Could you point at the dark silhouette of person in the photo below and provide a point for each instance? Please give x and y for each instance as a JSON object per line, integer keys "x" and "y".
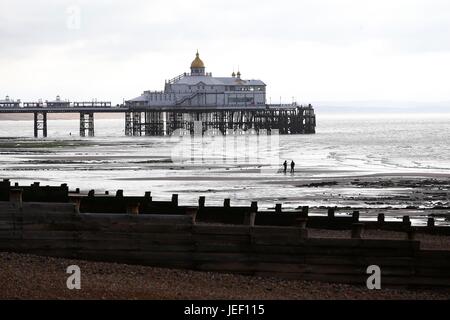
{"x": 292, "y": 166}
{"x": 285, "y": 166}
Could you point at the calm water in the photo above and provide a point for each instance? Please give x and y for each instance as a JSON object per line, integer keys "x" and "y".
{"x": 242, "y": 169}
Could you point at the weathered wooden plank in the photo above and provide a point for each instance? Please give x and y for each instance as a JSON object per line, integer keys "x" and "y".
{"x": 47, "y": 208}
{"x": 227, "y": 267}
{"x": 201, "y": 228}
{"x": 162, "y": 238}
{"x": 133, "y": 246}
{"x": 221, "y": 238}
{"x": 139, "y": 218}
{"x": 147, "y": 258}
{"x": 9, "y": 234}
{"x": 367, "y": 243}
{"x": 49, "y": 235}
{"x": 363, "y": 261}
{"x": 201, "y": 257}
{"x": 45, "y": 244}
{"x": 133, "y": 227}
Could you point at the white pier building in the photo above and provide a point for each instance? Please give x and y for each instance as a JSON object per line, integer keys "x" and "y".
{"x": 200, "y": 88}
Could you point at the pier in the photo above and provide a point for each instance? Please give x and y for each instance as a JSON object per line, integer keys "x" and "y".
{"x": 191, "y": 103}
{"x": 164, "y": 120}
{"x": 40, "y": 110}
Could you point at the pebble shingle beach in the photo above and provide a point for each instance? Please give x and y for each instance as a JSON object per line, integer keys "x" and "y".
{"x": 34, "y": 277}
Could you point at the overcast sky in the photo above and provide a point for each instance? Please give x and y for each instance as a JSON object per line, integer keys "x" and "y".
{"x": 312, "y": 50}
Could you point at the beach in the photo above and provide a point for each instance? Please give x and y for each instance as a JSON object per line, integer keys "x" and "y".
{"x": 35, "y": 277}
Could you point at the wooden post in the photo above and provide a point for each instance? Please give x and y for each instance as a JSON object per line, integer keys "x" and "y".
{"x": 278, "y": 208}
{"x": 430, "y": 223}
{"x": 76, "y": 200}
{"x": 357, "y": 230}
{"x": 254, "y": 206}
{"x": 305, "y": 211}
{"x": 411, "y": 234}
{"x": 330, "y": 213}
{"x": 175, "y": 199}
{"x": 119, "y": 193}
{"x": 133, "y": 208}
{"x": 201, "y": 202}
{"x": 249, "y": 219}
{"x": 91, "y": 193}
{"x": 15, "y": 196}
{"x": 148, "y": 195}
{"x": 301, "y": 223}
{"x": 192, "y": 211}
{"x": 406, "y": 221}
{"x": 355, "y": 215}
{"x": 380, "y": 218}
{"x": 77, "y": 190}
{"x": 226, "y": 203}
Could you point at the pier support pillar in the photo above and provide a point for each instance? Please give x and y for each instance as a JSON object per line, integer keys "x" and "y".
{"x": 40, "y": 124}
{"x": 86, "y": 124}
{"x": 128, "y": 124}
{"x": 137, "y": 122}
{"x": 153, "y": 123}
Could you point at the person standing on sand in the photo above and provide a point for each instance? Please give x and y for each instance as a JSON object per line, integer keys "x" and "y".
{"x": 292, "y": 166}
{"x": 285, "y": 166}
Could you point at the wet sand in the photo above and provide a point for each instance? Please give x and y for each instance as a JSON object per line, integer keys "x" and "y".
{"x": 368, "y": 181}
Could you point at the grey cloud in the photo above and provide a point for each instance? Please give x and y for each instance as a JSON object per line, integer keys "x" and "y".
{"x": 118, "y": 29}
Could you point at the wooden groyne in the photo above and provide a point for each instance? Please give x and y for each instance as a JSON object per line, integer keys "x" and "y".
{"x": 194, "y": 238}
{"x": 118, "y": 203}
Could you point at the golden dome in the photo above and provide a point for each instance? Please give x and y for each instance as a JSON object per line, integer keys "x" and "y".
{"x": 197, "y": 63}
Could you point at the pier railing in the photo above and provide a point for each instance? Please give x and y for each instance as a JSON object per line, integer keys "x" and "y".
{"x": 179, "y": 77}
